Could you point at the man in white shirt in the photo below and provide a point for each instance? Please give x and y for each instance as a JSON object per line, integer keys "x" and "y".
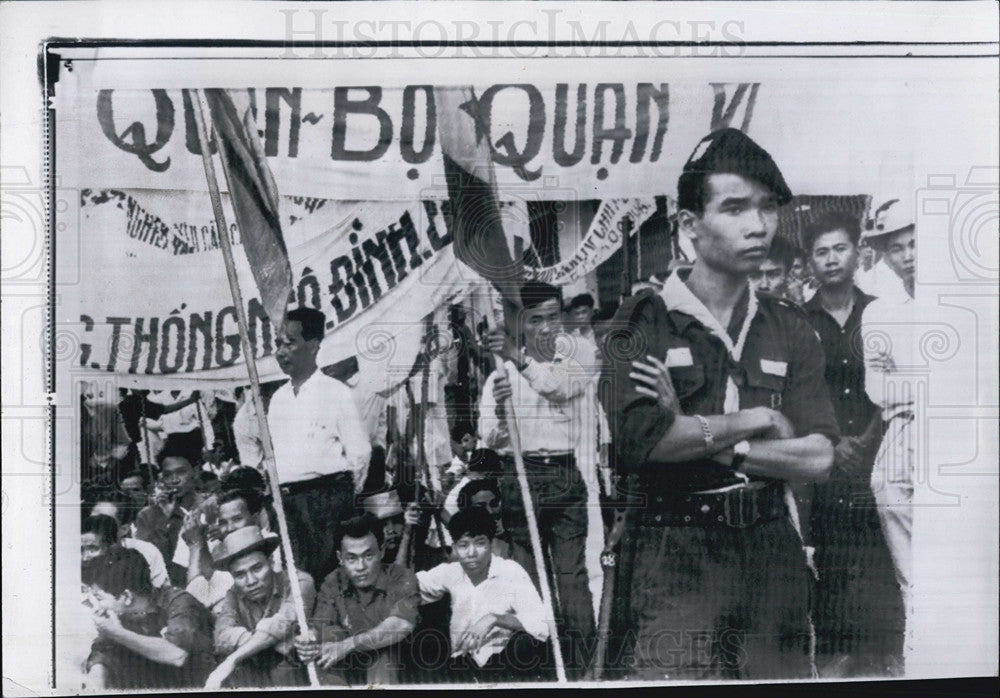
{"x": 498, "y": 621}
{"x": 549, "y": 391}
{"x": 890, "y": 341}
{"x": 321, "y": 447}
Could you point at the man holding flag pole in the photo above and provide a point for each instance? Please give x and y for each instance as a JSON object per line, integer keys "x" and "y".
{"x": 255, "y": 202}
{"x": 481, "y": 244}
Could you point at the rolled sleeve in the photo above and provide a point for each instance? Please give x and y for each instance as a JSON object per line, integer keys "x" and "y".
{"x": 433, "y": 583}
{"x": 807, "y": 402}
{"x": 188, "y": 625}
{"x": 404, "y": 595}
{"x": 528, "y": 606}
{"x": 281, "y": 626}
{"x": 229, "y": 631}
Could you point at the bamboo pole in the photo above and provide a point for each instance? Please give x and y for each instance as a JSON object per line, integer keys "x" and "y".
{"x": 258, "y": 402}
{"x": 529, "y": 507}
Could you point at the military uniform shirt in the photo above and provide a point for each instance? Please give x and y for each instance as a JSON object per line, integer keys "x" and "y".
{"x": 781, "y": 367}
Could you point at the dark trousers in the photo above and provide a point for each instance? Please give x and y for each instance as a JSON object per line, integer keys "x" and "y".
{"x": 559, "y": 496}
{"x": 719, "y": 603}
{"x": 358, "y": 669}
{"x": 523, "y": 659}
{"x": 314, "y": 517}
{"x": 858, "y": 610}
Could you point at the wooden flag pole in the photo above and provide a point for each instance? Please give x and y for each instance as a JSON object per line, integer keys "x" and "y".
{"x": 258, "y": 401}
{"x": 529, "y": 507}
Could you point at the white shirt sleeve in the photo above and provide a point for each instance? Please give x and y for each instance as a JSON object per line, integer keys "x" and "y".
{"x": 434, "y": 582}
{"x": 154, "y": 558}
{"x": 527, "y": 604}
{"x": 558, "y": 381}
{"x": 492, "y": 431}
{"x": 247, "y": 436}
{"x": 353, "y": 435}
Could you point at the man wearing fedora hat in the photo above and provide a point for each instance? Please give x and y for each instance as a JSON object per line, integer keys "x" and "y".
{"x": 890, "y": 342}
{"x": 256, "y": 621}
{"x": 719, "y": 400}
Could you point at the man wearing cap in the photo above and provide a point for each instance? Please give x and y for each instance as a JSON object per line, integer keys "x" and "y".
{"x": 386, "y": 507}
{"x": 890, "y": 337}
{"x": 256, "y": 621}
{"x": 549, "y": 390}
{"x": 858, "y": 608}
{"x": 719, "y": 400}
{"x": 321, "y": 447}
{"x": 365, "y": 608}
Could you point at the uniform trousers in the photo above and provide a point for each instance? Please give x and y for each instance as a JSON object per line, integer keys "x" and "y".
{"x": 716, "y": 602}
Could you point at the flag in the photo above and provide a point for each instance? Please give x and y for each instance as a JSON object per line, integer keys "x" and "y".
{"x": 254, "y": 196}
{"x": 476, "y": 223}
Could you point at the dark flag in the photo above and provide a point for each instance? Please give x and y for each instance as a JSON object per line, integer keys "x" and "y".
{"x": 475, "y": 214}
{"x": 254, "y": 196}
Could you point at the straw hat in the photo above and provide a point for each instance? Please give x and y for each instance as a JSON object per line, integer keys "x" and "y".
{"x": 241, "y": 542}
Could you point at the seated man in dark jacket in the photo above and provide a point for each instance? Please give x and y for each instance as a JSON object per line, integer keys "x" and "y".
{"x": 147, "y": 638}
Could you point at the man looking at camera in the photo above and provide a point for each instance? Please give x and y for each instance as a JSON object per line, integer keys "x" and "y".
{"x": 852, "y": 560}
{"x": 365, "y": 608}
{"x": 498, "y": 629}
{"x": 255, "y": 623}
{"x": 549, "y": 394}
{"x": 719, "y": 401}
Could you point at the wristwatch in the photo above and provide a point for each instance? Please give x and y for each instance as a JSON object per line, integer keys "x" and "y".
{"x": 706, "y": 433}
{"x": 740, "y": 451}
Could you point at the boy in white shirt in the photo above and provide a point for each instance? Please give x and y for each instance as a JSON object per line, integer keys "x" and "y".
{"x": 499, "y": 625}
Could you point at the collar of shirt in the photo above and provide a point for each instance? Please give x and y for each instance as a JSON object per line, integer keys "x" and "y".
{"x": 347, "y": 587}
{"x": 264, "y": 608}
{"x": 679, "y": 299}
{"x": 861, "y": 300}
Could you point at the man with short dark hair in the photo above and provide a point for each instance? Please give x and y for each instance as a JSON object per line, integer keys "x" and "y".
{"x": 549, "y": 391}
{"x": 256, "y": 621}
{"x": 485, "y": 494}
{"x": 365, "y": 609}
{"x": 852, "y": 560}
{"x": 100, "y": 533}
{"x": 175, "y": 495}
{"x": 147, "y": 638}
{"x": 720, "y": 403}
{"x": 321, "y": 447}
{"x": 235, "y": 508}
{"x": 498, "y": 622}
{"x": 772, "y": 276}
{"x": 580, "y": 315}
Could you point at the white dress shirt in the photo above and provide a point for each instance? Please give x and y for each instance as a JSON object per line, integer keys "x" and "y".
{"x": 506, "y": 589}
{"x": 154, "y": 558}
{"x": 549, "y": 403}
{"x": 315, "y": 432}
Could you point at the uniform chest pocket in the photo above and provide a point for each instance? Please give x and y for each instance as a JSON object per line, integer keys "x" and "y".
{"x": 765, "y": 383}
{"x": 688, "y": 380}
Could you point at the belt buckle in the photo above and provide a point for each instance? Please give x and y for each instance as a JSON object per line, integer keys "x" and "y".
{"x": 738, "y": 519}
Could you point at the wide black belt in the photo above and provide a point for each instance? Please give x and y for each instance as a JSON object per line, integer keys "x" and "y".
{"x": 324, "y": 481}
{"x": 549, "y": 460}
{"x": 740, "y": 507}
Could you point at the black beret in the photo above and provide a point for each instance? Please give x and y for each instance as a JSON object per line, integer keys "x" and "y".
{"x": 731, "y": 151}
